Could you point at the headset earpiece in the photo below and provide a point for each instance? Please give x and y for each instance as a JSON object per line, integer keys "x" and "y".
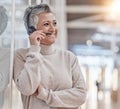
{"x": 31, "y": 29}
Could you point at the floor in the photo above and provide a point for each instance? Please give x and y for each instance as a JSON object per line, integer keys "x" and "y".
{"x": 104, "y": 101}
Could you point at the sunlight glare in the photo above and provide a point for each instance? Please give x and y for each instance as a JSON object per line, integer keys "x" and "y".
{"x": 114, "y": 10}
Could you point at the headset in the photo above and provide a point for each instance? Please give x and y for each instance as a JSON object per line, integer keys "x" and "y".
{"x": 30, "y": 29}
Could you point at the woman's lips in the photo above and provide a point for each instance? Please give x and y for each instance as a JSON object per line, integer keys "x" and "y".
{"x": 48, "y": 34}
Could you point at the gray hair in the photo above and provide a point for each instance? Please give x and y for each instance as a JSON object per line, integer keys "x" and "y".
{"x": 30, "y": 15}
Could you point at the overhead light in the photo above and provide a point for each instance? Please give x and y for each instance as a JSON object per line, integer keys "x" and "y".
{"x": 89, "y": 42}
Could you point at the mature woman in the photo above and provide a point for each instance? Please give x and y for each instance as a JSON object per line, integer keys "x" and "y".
{"x": 48, "y": 78}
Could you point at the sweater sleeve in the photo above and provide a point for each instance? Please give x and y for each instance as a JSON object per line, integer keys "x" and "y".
{"x": 27, "y": 71}
{"x": 67, "y": 98}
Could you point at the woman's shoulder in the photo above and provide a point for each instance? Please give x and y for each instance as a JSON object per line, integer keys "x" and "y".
{"x": 66, "y": 53}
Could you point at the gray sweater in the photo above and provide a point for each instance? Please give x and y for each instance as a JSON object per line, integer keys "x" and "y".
{"x": 59, "y": 73}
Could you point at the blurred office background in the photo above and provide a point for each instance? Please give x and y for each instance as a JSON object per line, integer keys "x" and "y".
{"x": 90, "y": 29}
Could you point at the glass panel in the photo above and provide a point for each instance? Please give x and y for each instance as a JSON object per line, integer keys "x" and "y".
{"x": 21, "y": 40}
{"x": 5, "y": 36}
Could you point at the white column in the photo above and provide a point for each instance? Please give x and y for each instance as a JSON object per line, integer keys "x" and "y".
{"x": 113, "y": 41}
{"x": 118, "y": 102}
{"x": 29, "y": 2}
{"x": 59, "y": 6}
{"x": 12, "y": 52}
{"x": 38, "y": 1}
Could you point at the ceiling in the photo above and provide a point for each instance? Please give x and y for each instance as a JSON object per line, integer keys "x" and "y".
{"x": 87, "y": 20}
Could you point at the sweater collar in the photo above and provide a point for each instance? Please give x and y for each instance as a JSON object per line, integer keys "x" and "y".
{"x": 47, "y": 49}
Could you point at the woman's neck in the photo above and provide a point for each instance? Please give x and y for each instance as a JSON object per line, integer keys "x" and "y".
{"x": 47, "y": 49}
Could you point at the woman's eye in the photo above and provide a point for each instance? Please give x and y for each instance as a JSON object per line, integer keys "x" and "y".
{"x": 46, "y": 24}
{"x": 55, "y": 23}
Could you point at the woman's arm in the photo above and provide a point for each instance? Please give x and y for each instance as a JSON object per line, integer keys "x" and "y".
{"x": 27, "y": 71}
{"x": 68, "y": 98}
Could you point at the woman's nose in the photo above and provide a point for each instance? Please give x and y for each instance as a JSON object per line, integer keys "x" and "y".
{"x": 52, "y": 28}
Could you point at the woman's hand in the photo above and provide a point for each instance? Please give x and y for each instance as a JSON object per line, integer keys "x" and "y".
{"x": 35, "y": 37}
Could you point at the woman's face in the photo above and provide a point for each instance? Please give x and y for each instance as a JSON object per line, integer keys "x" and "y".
{"x": 47, "y": 22}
